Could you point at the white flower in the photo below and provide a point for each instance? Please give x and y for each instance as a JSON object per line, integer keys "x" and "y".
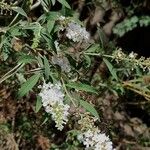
{"x": 57, "y": 46}
{"x": 77, "y": 33}
{"x": 132, "y": 55}
{"x": 52, "y": 99}
{"x": 95, "y": 140}
{"x": 62, "y": 62}
{"x": 62, "y": 18}
{"x": 51, "y": 94}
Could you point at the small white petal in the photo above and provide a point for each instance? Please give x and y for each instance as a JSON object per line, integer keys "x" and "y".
{"x": 77, "y": 33}
{"x": 52, "y": 100}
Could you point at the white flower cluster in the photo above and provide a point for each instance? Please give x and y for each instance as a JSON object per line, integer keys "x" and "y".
{"x": 52, "y": 99}
{"x": 77, "y": 33}
{"x": 94, "y": 140}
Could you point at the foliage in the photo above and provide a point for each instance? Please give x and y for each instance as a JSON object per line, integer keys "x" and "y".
{"x": 53, "y": 59}
{"x": 131, "y": 23}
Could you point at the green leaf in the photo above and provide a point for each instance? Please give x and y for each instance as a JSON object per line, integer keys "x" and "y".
{"x": 50, "y": 25}
{"x": 46, "y": 4}
{"x": 53, "y": 2}
{"x": 93, "y": 48}
{"x": 40, "y": 61}
{"x": 64, "y": 3}
{"x": 26, "y": 59}
{"x": 74, "y": 132}
{"x": 89, "y": 107}
{"x": 52, "y": 15}
{"x": 111, "y": 69}
{"x": 47, "y": 68}
{"x": 88, "y": 60}
{"x": 82, "y": 87}
{"x": 15, "y": 31}
{"x": 49, "y": 40}
{"x": 72, "y": 61}
{"x": 20, "y": 11}
{"x": 28, "y": 85}
{"x": 45, "y": 120}
{"x": 38, "y": 104}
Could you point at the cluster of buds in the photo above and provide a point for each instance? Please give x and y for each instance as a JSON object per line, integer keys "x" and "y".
{"x": 131, "y": 59}
{"x": 63, "y": 21}
{"x": 5, "y": 9}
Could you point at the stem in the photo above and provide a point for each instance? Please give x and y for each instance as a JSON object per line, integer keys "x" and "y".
{"x": 131, "y": 87}
{"x": 13, "y": 20}
{"x": 68, "y": 93}
{"x": 34, "y": 70}
{"x": 109, "y": 56}
{"x": 93, "y": 54}
{"x": 11, "y": 70}
{"x": 10, "y": 73}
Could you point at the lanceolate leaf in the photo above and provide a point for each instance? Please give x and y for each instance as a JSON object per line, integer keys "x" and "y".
{"x": 38, "y": 104}
{"x": 49, "y": 40}
{"x": 53, "y": 2}
{"x": 65, "y": 3}
{"x": 89, "y": 107}
{"x": 47, "y": 68}
{"x": 53, "y": 15}
{"x": 28, "y": 85}
{"x": 20, "y": 11}
{"x": 82, "y": 87}
{"x": 26, "y": 59}
{"x": 40, "y": 62}
{"x": 50, "y": 25}
{"x": 93, "y": 48}
{"x": 111, "y": 68}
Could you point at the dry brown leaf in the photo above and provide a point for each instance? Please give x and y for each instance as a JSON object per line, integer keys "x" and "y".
{"x": 43, "y": 142}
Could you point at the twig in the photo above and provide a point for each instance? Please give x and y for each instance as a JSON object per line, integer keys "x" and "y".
{"x": 33, "y": 70}
{"x": 11, "y": 72}
{"x": 131, "y": 87}
{"x": 67, "y": 92}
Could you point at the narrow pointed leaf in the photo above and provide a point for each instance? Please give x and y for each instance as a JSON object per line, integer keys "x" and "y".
{"x": 64, "y": 3}
{"x": 28, "y": 85}
{"x": 90, "y": 108}
{"x": 82, "y": 87}
{"x": 111, "y": 69}
{"x": 38, "y": 104}
{"x": 53, "y": 2}
{"x": 20, "y": 11}
{"x": 50, "y": 25}
{"x": 47, "y": 68}
{"x": 26, "y": 59}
